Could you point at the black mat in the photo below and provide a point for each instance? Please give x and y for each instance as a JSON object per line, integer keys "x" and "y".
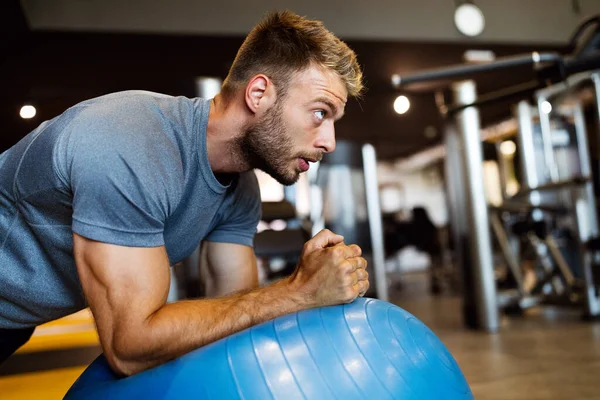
{"x": 38, "y": 361}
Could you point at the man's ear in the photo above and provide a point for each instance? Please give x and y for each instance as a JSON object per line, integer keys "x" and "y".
{"x": 260, "y": 94}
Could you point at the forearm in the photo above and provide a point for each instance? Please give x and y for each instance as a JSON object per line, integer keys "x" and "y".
{"x": 178, "y": 328}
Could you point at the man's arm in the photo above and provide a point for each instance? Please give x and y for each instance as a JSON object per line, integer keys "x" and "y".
{"x": 227, "y": 268}
{"x": 127, "y": 288}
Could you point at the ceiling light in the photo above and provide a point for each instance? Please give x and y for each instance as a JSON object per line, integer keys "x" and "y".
{"x": 546, "y": 107}
{"x": 508, "y": 148}
{"x": 27, "y": 111}
{"x": 469, "y": 19}
{"x": 401, "y": 104}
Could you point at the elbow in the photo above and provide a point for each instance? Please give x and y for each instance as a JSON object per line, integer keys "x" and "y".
{"x": 121, "y": 366}
{"x": 123, "y": 360}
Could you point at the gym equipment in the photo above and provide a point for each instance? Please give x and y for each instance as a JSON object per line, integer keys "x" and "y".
{"x": 421, "y": 233}
{"x": 284, "y": 245}
{"x": 555, "y": 283}
{"x": 569, "y": 100}
{"x": 556, "y": 198}
{"x": 468, "y": 206}
{"x": 365, "y": 349}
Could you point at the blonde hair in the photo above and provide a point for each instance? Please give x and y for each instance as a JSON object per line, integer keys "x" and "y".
{"x": 284, "y": 43}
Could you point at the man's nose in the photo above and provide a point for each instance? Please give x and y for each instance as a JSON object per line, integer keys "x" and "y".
{"x": 326, "y": 139}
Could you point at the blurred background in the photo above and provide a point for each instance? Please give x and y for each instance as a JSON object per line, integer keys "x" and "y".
{"x": 389, "y": 185}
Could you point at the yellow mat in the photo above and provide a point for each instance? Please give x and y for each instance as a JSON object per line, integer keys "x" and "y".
{"x": 76, "y": 330}
{"x": 47, "y": 385}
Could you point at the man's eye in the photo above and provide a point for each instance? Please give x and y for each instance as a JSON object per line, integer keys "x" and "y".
{"x": 320, "y": 114}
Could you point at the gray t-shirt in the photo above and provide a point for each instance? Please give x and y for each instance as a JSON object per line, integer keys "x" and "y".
{"x": 130, "y": 169}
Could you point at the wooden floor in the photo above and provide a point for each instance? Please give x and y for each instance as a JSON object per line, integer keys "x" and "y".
{"x": 548, "y": 354}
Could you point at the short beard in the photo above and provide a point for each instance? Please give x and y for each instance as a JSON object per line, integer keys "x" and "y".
{"x": 266, "y": 145}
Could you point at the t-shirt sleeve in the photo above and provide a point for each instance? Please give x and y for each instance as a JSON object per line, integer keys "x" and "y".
{"x": 125, "y": 177}
{"x": 242, "y": 215}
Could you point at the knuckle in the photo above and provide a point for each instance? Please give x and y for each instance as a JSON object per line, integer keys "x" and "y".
{"x": 358, "y": 263}
{"x": 338, "y": 251}
{"x": 345, "y": 267}
{"x": 335, "y": 252}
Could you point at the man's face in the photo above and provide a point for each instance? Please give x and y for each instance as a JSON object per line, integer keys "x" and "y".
{"x": 299, "y": 129}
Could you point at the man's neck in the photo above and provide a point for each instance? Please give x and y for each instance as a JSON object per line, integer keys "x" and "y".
{"x": 225, "y": 127}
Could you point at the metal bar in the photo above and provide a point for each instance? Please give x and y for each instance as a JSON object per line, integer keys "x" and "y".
{"x": 455, "y": 188}
{"x": 585, "y": 209}
{"x": 595, "y": 77}
{"x": 518, "y": 207}
{"x": 581, "y": 63}
{"x": 502, "y": 169}
{"x": 467, "y": 70}
{"x": 507, "y": 253}
{"x": 316, "y": 214}
{"x": 520, "y": 90}
{"x": 477, "y": 211}
{"x": 550, "y": 160}
{"x": 174, "y": 293}
{"x": 526, "y": 146}
{"x": 560, "y": 261}
{"x": 375, "y": 223}
{"x": 596, "y": 80}
{"x": 571, "y": 184}
{"x": 531, "y": 301}
{"x": 549, "y": 273}
{"x": 551, "y": 92}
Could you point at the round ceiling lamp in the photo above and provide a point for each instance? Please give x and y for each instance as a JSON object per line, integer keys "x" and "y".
{"x": 469, "y": 19}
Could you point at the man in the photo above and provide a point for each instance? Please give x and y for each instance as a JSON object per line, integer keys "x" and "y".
{"x": 96, "y": 204}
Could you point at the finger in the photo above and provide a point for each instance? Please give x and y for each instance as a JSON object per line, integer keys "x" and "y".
{"x": 357, "y": 263}
{"x": 358, "y": 275}
{"x": 364, "y": 287}
{"x": 357, "y": 250}
{"x": 360, "y": 288}
{"x": 323, "y": 239}
{"x": 362, "y": 274}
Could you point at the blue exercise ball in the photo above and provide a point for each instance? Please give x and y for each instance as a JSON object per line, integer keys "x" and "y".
{"x": 368, "y": 349}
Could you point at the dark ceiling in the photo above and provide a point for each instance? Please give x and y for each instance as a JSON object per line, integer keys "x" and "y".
{"x": 55, "y": 70}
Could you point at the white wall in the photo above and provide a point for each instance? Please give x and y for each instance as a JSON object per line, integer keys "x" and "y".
{"x": 539, "y": 21}
{"x": 270, "y": 189}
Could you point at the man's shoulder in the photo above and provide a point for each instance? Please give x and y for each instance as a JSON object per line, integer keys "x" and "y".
{"x": 138, "y": 115}
{"x": 131, "y": 96}
{"x": 126, "y": 103}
